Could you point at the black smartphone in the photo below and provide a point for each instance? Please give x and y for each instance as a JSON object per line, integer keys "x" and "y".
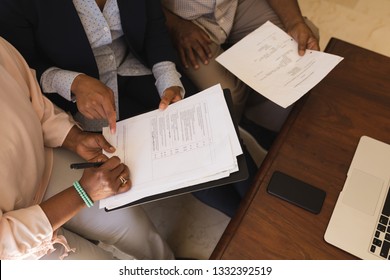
{"x": 296, "y": 192}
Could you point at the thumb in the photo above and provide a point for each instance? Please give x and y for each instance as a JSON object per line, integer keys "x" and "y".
{"x": 103, "y": 143}
{"x": 163, "y": 104}
{"x": 166, "y": 99}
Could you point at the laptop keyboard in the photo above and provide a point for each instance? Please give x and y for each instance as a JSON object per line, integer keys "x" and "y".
{"x": 381, "y": 240}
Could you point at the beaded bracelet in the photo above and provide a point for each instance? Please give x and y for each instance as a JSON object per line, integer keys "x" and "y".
{"x": 83, "y": 194}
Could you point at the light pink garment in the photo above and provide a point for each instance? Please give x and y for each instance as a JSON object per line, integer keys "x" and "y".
{"x": 30, "y": 125}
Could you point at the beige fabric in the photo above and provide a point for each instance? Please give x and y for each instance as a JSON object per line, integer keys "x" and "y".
{"x": 215, "y": 17}
{"x": 28, "y": 122}
{"x": 248, "y": 16}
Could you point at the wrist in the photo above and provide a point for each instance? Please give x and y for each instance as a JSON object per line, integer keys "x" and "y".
{"x": 83, "y": 194}
{"x": 72, "y": 139}
{"x": 172, "y": 19}
{"x": 291, "y": 24}
{"x": 76, "y": 83}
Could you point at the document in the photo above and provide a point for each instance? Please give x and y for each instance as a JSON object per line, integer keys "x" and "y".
{"x": 267, "y": 60}
{"x": 191, "y": 142}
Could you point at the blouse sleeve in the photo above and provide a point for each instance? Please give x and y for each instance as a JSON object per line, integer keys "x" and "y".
{"x": 56, "y": 124}
{"x": 25, "y": 234}
{"x": 166, "y": 76}
{"x": 25, "y": 231}
{"x": 56, "y": 80}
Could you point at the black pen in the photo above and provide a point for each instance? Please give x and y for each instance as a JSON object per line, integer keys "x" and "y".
{"x": 83, "y": 165}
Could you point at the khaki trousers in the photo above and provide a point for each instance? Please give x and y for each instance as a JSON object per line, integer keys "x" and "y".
{"x": 249, "y": 16}
{"x": 129, "y": 229}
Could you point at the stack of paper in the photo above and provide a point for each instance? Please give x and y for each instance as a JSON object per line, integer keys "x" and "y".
{"x": 191, "y": 142}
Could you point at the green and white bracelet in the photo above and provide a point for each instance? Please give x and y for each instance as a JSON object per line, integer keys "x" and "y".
{"x": 88, "y": 201}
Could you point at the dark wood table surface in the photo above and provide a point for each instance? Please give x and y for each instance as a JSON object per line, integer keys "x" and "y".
{"x": 316, "y": 145}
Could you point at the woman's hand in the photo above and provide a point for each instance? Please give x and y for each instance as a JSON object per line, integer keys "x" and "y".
{"x": 89, "y": 146}
{"x": 111, "y": 178}
{"x": 94, "y": 99}
{"x": 171, "y": 95}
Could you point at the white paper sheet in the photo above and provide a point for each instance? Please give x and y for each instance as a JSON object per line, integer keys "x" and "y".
{"x": 267, "y": 60}
{"x": 191, "y": 142}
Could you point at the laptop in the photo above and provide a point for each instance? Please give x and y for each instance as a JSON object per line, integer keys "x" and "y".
{"x": 359, "y": 223}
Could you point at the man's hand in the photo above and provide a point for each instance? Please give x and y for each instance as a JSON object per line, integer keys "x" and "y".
{"x": 190, "y": 40}
{"x": 171, "y": 95}
{"x": 303, "y": 35}
{"x": 89, "y": 146}
{"x": 291, "y": 17}
{"x": 94, "y": 99}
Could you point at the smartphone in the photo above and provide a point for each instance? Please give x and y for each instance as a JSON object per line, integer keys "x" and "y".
{"x": 296, "y": 192}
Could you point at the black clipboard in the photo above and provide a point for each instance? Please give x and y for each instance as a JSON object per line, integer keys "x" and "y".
{"x": 240, "y": 175}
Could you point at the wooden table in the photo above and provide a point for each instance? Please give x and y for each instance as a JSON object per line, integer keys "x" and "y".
{"x": 315, "y": 145}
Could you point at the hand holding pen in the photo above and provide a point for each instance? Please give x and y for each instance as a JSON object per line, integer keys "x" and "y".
{"x": 104, "y": 179}
{"x": 83, "y": 165}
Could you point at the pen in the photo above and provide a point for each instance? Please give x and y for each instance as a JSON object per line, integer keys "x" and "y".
{"x": 83, "y": 165}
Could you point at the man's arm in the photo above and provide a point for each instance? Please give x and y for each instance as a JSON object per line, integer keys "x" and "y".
{"x": 291, "y": 17}
{"x": 288, "y": 12}
{"x": 191, "y": 42}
